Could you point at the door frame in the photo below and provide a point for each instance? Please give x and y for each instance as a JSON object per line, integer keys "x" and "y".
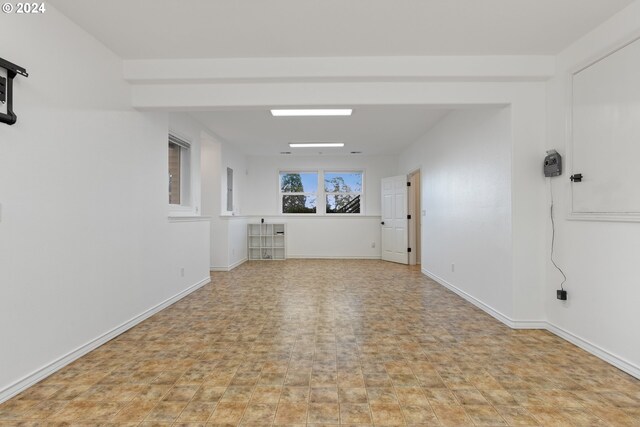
{"x": 414, "y": 208}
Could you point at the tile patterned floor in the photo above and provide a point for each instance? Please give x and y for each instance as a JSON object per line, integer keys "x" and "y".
{"x": 323, "y": 343}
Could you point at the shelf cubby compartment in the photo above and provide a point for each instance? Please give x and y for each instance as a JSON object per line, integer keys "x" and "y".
{"x": 266, "y": 241}
{"x": 278, "y": 253}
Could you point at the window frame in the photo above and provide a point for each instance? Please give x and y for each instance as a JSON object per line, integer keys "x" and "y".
{"x": 230, "y": 205}
{"x": 330, "y": 193}
{"x": 321, "y": 194}
{"x": 316, "y": 194}
{"x": 186, "y": 151}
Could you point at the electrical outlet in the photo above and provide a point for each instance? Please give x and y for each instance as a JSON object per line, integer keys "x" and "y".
{"x": 373, "y": 244}
{"x": 453, "y": 268}
{"x": 182, "y": 272}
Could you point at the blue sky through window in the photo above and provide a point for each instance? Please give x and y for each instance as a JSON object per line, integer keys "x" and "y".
{"x": 309, "y": 182}
{"x": 353, "y": 180}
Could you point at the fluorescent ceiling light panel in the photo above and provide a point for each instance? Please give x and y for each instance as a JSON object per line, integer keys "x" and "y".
{"x": 312, "y": 112}
{"x": 315, "y": 144}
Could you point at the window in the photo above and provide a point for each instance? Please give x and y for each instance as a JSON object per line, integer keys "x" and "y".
{"x": 179, "y": 153}
{"x": 229, "y": 189}
{"x": 343, "y": 191}
{"x": 340, "y": 193}
{"x": 299, "y": 192}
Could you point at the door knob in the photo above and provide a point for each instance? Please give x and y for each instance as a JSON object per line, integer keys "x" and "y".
{"x": 382, "y": 223}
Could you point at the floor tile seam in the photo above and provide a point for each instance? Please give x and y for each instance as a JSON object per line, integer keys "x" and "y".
{"x": 244, "y": 412}
{"x": 285, "y": 378}
{"x": 429, "y": 403}
{"x": 167, "y": 393}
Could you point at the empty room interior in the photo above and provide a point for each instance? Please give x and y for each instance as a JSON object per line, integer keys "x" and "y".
{"x": 320, "y": 213}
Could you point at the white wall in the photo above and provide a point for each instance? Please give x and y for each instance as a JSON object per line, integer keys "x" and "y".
{"x": 85, "y": 242}
{"x": 228, "y": 228}
{"x": 210, "y": 163}
{"x": 599, "y": 258}
{"x": 237, "y": 241}
{"x": 319, "y": 236}
{"x": 465, "y": 163}
{"x": 236, "y": 223}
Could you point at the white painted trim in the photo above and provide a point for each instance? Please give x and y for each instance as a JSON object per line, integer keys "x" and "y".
{"x": 315, "y": 216}
{"x": 586, "y": 216}
{"x": 40, "y": 374}
{"x": 448, "y": 68}
{"x": 569, "y": 140}
{"x": 188, "y": 218}
{"x": 230, "y": 267}
{"x": 232, "y": 217}
{"x": 512, "y": 323}
{"x": 587, "y": 346}
{"x": 330, "y": 257}
{"x": 528, "y": 324}
{"x": 237, "y": 263}
{"x": 597, "y": 351}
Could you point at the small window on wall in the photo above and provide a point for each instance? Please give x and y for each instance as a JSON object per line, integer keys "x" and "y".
{"x": 343, "y": 192}
{"x": 229, "y": 189}
{"x": 179, "y": 153}
{"x": 299, "y": 192}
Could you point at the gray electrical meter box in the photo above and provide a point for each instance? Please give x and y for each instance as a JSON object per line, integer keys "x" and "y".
{"x": 552, "y": 163}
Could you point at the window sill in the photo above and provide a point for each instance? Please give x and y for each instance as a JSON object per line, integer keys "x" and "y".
{"x": 318, "y": 216}
{"x": 183, "y": 210}
{"x": 188, "y": 218}
{"x": 607, "y": 217}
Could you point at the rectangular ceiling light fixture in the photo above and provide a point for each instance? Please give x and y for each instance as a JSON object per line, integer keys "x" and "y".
{"x": 312, "y": 112}
{"x": 315, "y": 144}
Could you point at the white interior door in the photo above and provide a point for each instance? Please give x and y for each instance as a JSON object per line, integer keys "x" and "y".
{"x": 395, "y": 235}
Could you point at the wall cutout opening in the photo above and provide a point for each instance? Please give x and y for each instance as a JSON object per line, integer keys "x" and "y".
{"x": 229, "y": 189}
{"x": 179, "y": 171}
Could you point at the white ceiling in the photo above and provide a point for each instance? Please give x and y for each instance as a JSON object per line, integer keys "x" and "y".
{"x": 136, "y": 29}
{"x": 166, "y": 29}
{"x": 372, "y": 130}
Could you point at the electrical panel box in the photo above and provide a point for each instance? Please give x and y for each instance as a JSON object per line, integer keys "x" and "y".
{"x": 552, "y": 164}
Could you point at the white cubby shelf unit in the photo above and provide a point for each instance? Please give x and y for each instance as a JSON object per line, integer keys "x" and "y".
{"x": 266, "y": 241}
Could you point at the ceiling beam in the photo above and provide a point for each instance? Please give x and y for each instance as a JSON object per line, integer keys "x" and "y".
{"x": 337, "y": 69}
{"x": 221, "y": 96}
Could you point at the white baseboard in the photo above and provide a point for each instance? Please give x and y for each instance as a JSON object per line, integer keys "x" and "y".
{"x": 330, "y": 257}
{"x": 230, "y": 267}
{"x": 237, "y": 263}
{"x": 597, "y": 351}
{"x": 40, "y": 374}
{"x": 512, "y": 323}
{"x": 528, "y": 324}
{"x": 589, "y": 347}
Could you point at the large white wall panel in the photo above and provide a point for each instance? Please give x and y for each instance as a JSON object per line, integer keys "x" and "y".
{"x": 599, "y": 257}
{"x": 465, "y": 163}
{"x": 85, "y": 242}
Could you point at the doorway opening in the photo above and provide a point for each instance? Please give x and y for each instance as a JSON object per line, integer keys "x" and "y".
{"x": 414, "y": 211}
